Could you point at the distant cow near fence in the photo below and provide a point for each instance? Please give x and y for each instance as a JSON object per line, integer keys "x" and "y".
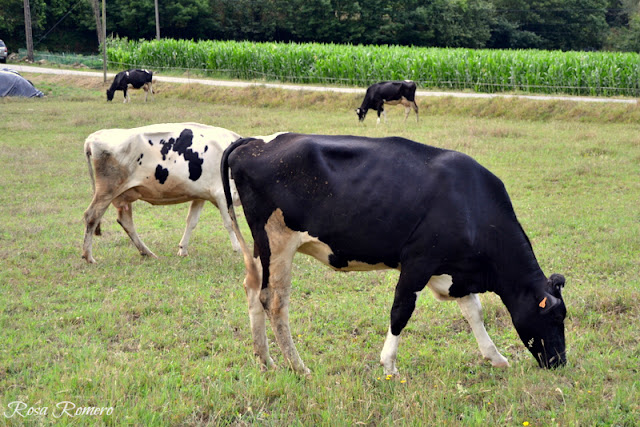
{"x": 161, "y": 164}
{"x": 135, "y": 79}
{"x": 392, "y": 93}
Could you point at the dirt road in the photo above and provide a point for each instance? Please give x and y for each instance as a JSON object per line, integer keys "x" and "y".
{"x": 212, "y": 82}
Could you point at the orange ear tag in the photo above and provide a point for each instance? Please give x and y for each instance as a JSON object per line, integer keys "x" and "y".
{"x": 543, "y": 303}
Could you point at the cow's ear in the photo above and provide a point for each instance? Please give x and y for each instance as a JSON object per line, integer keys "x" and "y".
{"x": 547, "y": 303}
{"x": 555, "y": 283}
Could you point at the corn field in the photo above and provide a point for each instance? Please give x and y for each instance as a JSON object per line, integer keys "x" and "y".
{"x": 534, "y": 71}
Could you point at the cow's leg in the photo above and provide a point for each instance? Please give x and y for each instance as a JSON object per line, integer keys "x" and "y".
{"x": 148, "y": 88}
{"x": 92, "y": 217}
{"x": 125, "y": 219}
{"x": 415, "y": 108}
{"x": 380, "y": 111}
{"x": 412, "y": 280}
{"x": 283, "y": 243}
{"x": 226, "y": 221}
{"x": 472, "y": 311}
{"x": 192, "y": 220}
{"x": 276, "y": 300}
{"x": 257, "y": 315}
{"x": 126, "y": 95}
{"x": 407, "y": 110}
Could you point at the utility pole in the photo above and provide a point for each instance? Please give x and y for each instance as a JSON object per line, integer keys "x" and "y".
{"x": 157, "y": 21}
{"x": 104, "y": 40}
{"x": 27, "y": 30}
{"x": 101, "y": 30}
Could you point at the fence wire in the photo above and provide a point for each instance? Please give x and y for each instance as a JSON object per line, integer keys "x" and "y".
{"x": 514, "y": 84}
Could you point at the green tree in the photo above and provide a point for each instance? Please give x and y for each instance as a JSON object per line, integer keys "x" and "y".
{"x": 550, "y": 24}
{"x": 12, "y": 21}
{"x": 68, "y": 26}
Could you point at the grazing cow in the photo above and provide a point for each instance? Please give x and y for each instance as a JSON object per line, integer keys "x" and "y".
{"x": 392, "y": 93}
{"x": 135, "y": 79}
{"x": 357, "y": 203}
{"x": 161, "y": 164}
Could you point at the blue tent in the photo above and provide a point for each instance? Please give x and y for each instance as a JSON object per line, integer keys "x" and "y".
{"x": 13, "y": 84}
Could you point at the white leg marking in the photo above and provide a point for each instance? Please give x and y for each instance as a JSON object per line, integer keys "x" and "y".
{"x": 283, "y": 243}
{"x": 472, "y": 311}
{"x": 192, "y": 220}
{"x": 257, "y": 315}
{"x": 389, "y": 353}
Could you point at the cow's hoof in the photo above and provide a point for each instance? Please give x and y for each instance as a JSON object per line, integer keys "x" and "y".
{"x": 390, "y": 370}
{"x": 269, "y": 366}
{"x": 149, "y": 254}
{"x": 500, "y": 363}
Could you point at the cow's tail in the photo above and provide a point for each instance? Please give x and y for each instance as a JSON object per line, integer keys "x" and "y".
{"x": 250, "y": 265}
{"x": 88, "y": 154}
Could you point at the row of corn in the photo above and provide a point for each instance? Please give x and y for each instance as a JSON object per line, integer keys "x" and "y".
{"x": 483, "y": 70}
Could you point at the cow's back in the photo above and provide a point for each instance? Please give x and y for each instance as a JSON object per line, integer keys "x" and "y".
{"x": 172, "y": 162}
{"x": 365, "y": 195}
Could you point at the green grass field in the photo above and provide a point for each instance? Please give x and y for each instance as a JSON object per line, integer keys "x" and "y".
{"x": 167, "y": 342}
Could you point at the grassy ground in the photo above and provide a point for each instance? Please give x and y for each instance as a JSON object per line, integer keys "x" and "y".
{"x": 167, "y": 342}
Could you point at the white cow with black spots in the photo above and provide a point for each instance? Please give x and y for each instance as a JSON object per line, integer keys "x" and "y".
{"x": 161, "y": 164}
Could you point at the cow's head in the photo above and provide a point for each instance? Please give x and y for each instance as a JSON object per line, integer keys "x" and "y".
{"x": 362, "y": 113}
{"x": 110, "y": 94}
{"x": 540, "y": 323}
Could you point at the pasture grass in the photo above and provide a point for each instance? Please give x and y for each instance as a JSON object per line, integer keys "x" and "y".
{"x": 167, "y": 342}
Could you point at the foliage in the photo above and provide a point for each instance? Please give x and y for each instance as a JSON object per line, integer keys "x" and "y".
{"x": 583, "y": 73}
{"x": 628, "y": 38}
{"x": 60, "y": 25}
{"x": 551, "y": 24}
{"x": 166, "y": 342}
{"x": 68, "y": 25}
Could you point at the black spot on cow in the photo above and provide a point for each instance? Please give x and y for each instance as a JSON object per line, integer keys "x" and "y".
{"x": 151, "y": 142}
{"x": 161, "y": 174}
{"x": 206, "y": 147}
{"x": 140, "y": 159}
{"x": 166, "y": 146}
{"x": 182, "y": 145}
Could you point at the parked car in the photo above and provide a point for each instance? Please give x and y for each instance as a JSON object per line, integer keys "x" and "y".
{"x": 3, "y": 52}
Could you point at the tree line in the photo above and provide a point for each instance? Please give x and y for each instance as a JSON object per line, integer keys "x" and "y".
{"x": 70, "y": 25}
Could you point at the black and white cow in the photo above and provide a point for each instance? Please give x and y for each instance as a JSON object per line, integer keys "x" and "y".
{"x": 161, "y": 164}
{"x": 392, "y": 93}
{"x": 358, "y": 203}
{"x": 135, "y": 79}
